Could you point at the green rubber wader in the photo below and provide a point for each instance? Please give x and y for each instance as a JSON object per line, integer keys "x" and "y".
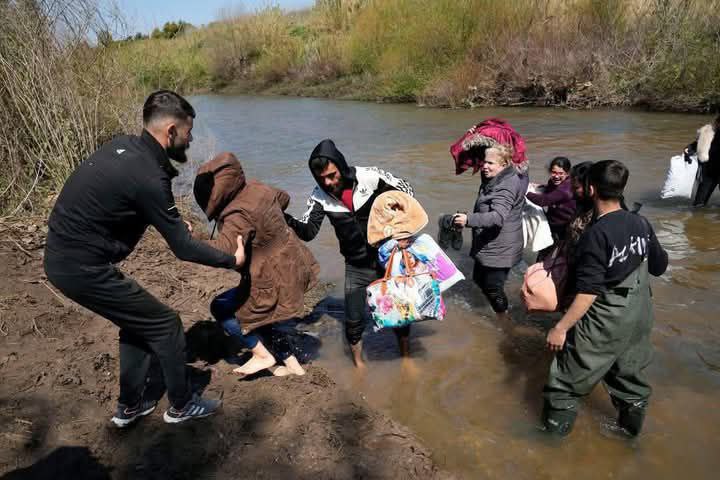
{"x": 611, "y": 342}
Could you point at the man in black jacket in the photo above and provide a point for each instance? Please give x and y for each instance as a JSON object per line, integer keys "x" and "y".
{"x": 103, "y": 210}
{"x": 345, "y": 194}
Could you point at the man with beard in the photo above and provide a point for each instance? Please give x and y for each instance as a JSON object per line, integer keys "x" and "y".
{"x": 103, "y": 210}
{"x": 345, "y": 194}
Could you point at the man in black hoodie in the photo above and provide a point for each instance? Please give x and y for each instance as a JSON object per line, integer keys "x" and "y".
{"x": 345, "y": 194}
{"x": 103, "y": 210}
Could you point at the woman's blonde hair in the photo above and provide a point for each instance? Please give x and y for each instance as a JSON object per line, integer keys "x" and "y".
{"x": 504, "y": 153}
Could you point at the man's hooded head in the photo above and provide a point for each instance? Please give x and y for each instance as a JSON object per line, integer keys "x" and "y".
{"x": 330, "y": 169}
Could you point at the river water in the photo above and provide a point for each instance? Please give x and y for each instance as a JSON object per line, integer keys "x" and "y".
{"x": 472, "y": 392}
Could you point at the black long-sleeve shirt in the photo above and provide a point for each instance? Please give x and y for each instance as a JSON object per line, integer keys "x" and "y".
{"x": 108, "y": 202}
{"x": 612, "y": 248}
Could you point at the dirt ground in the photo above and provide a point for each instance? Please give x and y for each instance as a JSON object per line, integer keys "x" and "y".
{"x": 59, "y": 383}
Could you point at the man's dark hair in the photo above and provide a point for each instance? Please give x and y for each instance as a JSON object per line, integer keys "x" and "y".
{"x": 609, "y": 178}
{"x": 318, "y": 164}
{"x": 562, "y": 162}
{"x": 165, "y": 103}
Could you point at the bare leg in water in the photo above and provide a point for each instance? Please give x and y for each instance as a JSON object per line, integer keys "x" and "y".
{"x": 356, "y": 350}
{"x": 403, "y": 338}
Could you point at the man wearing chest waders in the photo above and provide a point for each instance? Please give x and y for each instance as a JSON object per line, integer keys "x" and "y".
{"x": 605, "y": 334}
{"x": 103, "y": 210}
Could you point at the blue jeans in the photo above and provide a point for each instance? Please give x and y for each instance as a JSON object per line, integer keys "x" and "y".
{"x": 223, "y": 308}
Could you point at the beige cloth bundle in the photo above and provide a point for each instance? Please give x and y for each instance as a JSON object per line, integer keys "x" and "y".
{"x": 395, "y": 215}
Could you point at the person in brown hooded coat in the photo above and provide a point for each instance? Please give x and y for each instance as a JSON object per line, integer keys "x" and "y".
{"x": 278, "y": 270}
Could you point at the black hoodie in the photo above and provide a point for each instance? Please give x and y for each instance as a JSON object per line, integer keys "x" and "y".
{"x": 350, "y": 226}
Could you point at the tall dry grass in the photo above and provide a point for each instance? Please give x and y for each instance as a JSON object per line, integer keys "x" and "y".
{"x": 574, "y": 53}
{"x": 585, "y": 53}
{"x": 60, "y": 98}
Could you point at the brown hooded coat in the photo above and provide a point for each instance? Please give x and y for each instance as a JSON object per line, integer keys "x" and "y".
{"x": 279, "y": 269}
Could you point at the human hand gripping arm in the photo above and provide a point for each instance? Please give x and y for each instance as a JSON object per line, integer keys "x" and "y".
{"x": 240, "y": 253}
{"x": 235, "y": 230}
{"x": 156, "y": 204}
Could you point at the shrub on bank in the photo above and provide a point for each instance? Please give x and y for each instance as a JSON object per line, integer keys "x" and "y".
{"x": 60, "y": 98}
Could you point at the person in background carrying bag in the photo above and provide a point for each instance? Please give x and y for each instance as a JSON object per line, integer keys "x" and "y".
{"x": 707, "y": 148}
{"x": 395, "y": 222}
{"x": 557, "y": 197}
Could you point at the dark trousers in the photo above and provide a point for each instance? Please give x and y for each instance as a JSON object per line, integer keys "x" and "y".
{"x": 709, "y": 179}
{"x": 148, "y": 328}
{"x": 492, "y": 283}
{"x": 223, "y": 308}
{"x": 356, "y": 281}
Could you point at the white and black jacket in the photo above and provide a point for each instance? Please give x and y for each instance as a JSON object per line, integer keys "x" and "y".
{"x": 350, "y": 226}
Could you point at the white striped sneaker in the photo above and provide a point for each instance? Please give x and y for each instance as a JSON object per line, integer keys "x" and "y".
{"x": 197, "y": 407}
{"x": 125, "y": 415}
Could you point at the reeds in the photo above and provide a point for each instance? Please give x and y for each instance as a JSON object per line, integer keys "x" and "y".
{"x": 60, "y": 98}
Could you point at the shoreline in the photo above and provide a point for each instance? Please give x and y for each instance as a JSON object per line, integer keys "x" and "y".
{"x": 341, "y": 89}
{"x": 59, "y": 370}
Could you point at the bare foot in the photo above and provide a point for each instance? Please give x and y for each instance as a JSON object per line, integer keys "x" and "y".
{"x": 261, "y": 359}
{"x": 357, "y": 355}
{"x": 409, "y": 368}
{"x": 293, "y": 366}
{"x": 281, "y": 371}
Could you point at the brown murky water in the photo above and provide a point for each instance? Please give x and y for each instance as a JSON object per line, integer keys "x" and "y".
{"x": 472, "y": 392}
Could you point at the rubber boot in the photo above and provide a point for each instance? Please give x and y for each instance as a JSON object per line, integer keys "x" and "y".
{"x": 558, "y": 422}
{"x": 631, "y": 416}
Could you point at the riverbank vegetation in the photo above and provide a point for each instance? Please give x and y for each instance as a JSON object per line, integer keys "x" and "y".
{"x": 660, "y": 54}
{"x": 66, "y": 85}
{"x": 60, "y": 97}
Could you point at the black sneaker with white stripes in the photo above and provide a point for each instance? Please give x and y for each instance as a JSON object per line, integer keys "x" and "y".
{"x": 124, "y": 415}
{"x": 197, "y": 407}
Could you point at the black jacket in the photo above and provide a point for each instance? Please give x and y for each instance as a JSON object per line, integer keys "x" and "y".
{"x": 350, "y": 226}
{"x": 108, "y": 202}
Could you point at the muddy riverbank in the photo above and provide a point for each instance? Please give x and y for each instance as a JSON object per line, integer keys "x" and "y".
{"x": 59, "y": 383}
